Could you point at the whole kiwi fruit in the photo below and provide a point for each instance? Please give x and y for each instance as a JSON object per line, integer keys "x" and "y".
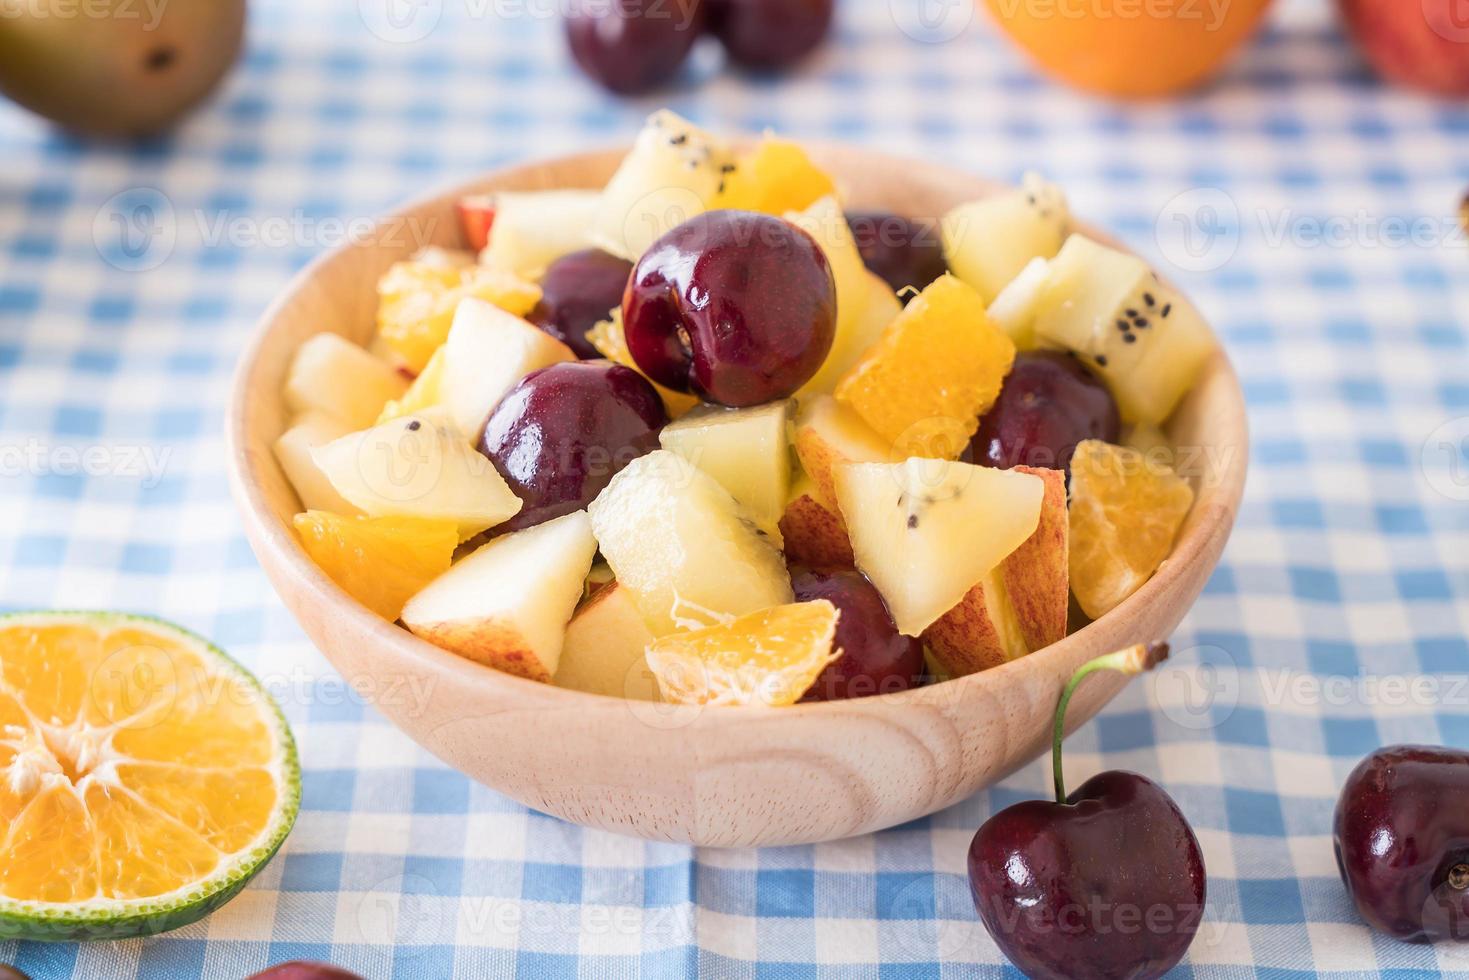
{"x": 116, "y": 68}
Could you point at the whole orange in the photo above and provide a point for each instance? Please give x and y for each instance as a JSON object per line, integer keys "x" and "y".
{"x": 1129, "y": 48}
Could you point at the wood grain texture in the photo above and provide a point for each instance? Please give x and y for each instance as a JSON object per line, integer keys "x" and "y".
{"x": 711, "y": 776}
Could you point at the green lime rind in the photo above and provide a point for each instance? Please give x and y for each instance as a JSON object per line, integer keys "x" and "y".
{"x": 127, "y": 918}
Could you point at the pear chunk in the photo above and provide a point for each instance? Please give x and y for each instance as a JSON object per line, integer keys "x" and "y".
{"x": 746, "y": 449}
{"x": 418, "y": 466}
{"x": 688, "y": 552}
{"x": 605, "y": 643}
{"x": 331, "y": 374}
{"x": 925, "y": 531}
{"x": 487, "y": 352}
{"x": 293, "y": 451}
{"x": 507, "y": 604}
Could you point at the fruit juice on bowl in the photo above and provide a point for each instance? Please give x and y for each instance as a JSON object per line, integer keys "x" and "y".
{"x": 705, "y": 436}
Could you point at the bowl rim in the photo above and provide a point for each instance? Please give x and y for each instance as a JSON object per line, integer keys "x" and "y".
{"x": 265, "y": 531}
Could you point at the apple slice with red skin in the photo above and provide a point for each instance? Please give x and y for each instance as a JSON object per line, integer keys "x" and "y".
{"x": 1022, "y": 605}
{"x": 1402, "y": 841}
{"x": 1107, "y": 882}
{"x": 476, "y": 218}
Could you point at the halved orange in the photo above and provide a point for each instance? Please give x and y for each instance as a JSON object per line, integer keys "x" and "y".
{"x": 145, "y": 777}
{"x": 771, "y": 657}
{"x": 382, "y": 562}
{"x": 1126, "y": 509}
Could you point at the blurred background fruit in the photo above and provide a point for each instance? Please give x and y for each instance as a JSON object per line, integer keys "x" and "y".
{"x": 1125, "y": 48}
{"x": 631, "y": 45}
{"x": 769, "y": 34}
{"x": 1422, "y": 43}
{"x": 116, "y": 68}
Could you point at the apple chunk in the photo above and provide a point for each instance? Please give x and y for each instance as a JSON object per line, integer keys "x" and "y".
{"x": 605, "y": 642}
{"x": 812, "y": 534}
{"x": 689, "y": 553}
{"x": 293, "y": 451}
{"x": 746, "y": 449}
{"x": 1019, "y": 607}
{"x": 418, "y": 466}
{"x": 829, "y": 434}
{"x": 331, "y": 374}
{"x": 507, "y": 605}
{"x": 487, "y": 352}
{"x": 926, "y": 530}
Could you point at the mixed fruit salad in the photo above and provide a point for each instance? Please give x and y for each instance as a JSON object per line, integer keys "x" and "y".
{"x": 703, "y": 436}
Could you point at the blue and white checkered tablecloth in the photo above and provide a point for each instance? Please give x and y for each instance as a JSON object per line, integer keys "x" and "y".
{"x": 1308, "y": 210}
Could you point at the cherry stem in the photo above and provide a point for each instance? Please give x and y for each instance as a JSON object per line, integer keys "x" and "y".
{"x": 1130, "y": 662}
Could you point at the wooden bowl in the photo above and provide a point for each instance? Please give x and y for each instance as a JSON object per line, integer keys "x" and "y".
{"x": 728, "y": 777}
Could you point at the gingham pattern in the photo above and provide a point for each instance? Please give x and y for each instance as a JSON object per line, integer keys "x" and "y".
{"x": 1350, "y": 561}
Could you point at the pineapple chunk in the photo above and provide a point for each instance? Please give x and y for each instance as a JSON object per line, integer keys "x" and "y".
{"x": 425, "y": 392}
{"x": 855, "y": 330}
{"x": 417, "y": 301}
{"x": 603, "y": 652}
{"x": 925, "y": 531}
{"x": 1143, "y": 338}
{"x": 507, "y": 604}
{"x": 418, "y": 466}
{"x": 829, "y": 434}
{"x": 487, "y": 352}
{"x": 688, "y": 552}
{"x": 746, "y": 449}
{"x": 333, "y": 375}
{"x": 988, "y": 242}
{"x": 1014, "y": 309}
{"x": 532, "y": 229}
{"x": 775, "y": 177}
{"x": 937, "y": 368}
{"x": 293, "y": 452}
{"x": 672, "y": 173}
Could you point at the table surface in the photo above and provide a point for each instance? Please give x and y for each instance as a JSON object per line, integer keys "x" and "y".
{"x": 1309, "y": 211}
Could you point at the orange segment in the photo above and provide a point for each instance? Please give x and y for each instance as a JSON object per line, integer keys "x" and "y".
{"x": 137, "y": 675}
{"x": 382, "y": 562}
{"x": 47, "y": 668}
{"x": 49, "y": 853}
{"x": 220, "y": 725}
{"x": 416, "y": 303}
{"x": 142, "y": 852}
{"x": 771, "y": 657}
{"x": 934, "y": 371}
{"x": 226, "y": 807}
{"x": 775, "y": 177}
{"x": 1126, "y": 510}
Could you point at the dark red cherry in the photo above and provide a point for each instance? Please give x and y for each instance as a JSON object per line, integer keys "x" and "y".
{"x": 577, "y": 292}
{"x": 1109, "y": 884}
{"x": 1402, "y": 841}
{"x": 876, "y": 658}
{"x": 1049, "y": 403}
{"x": 736, "y": 307}
{"x": 632, "y": 46}
{"x": 903, "y": 251}
{"x": 1106, "y": 883}
{"x": 766, "y": 34}
{"x": 304, "y": 970}
{"x": 562, "y": 433}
